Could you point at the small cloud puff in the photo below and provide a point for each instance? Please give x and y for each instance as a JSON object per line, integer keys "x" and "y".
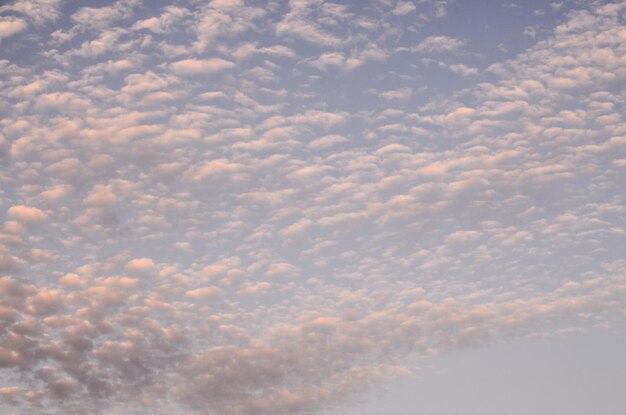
{"x": 27, "y": 214}
{"x": 189, "y": 67}
{"x": 140, "y": 265}
{"x": 439, "y": 44}
{"x": 10, "y": 26}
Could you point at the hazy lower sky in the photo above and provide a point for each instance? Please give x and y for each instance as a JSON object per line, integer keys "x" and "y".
{"x": 311, "y": 207}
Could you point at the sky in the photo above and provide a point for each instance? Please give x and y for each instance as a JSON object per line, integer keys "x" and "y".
{"x": 576, "y": 373}
{"x": 310, "y": 207}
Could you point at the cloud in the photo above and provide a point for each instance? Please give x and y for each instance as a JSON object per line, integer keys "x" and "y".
{"x": 301, "y": 22}
{"x": 187, "y": 67}
{"x": 203, "y": 293}
{"x": 139, "y": 265}
{"x": 401, "y": 94}
{"x": 27, "y": 214}
{"x": 327, "y": 141}
{"x": 39, "y": 11}
{"x": 214, "y": 168}
{"x": 403, "y": 8}
{"x": 463, "y": 70}
{"x": 224, "y": 20}
{"x": 165, "y": 23}
{"x": 439, "y": 44}
{"x": 10, "y": 26}
{"x": 9, "y": 263}
{"x": 212, "y": 207}
{"x": 103, "y": 17}
{"x": 441, "y": 8}
{"x": 250, "y": 49}
{"x": 338, "y": 60}
{"x": 101, "y": 195}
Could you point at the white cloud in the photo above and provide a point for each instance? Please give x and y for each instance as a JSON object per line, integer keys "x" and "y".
{"x": 103, "y": 17}
{"x": 439, "y": 44}
{"x": 165, "y": 23}
{"x": 224, "y": 20}
{"x": 271, "y": 239}
{"x": 327, "y": 141}
{"x": 39, "y": 11}
{"x": 140, "y": 265}
{"x": 201, "y": 66}
{"x": 301, "y": 22}
{"x": 403, "y": 8}
{"x": 101, "y": 195}
{"x": 27, "y": 214}
{"x": 401, "y": 94}
{"x": 250, "y": 49}
{"x": 10, "y": 26}
{"x": 463, "y": 70}
{"x": 203, "y": 293}
{"x": 338, "y": 60}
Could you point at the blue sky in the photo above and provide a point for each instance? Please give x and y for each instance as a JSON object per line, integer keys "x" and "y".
{"x": 285, "y": 207}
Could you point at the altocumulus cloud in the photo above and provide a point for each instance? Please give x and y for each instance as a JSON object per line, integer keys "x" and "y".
{"x": 265, "y": 208}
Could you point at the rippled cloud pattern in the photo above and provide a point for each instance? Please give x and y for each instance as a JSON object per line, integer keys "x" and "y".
{"x": 268, "y": 207}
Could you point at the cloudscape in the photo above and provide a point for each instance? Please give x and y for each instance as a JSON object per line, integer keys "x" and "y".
{"x": 246, "y": 207}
